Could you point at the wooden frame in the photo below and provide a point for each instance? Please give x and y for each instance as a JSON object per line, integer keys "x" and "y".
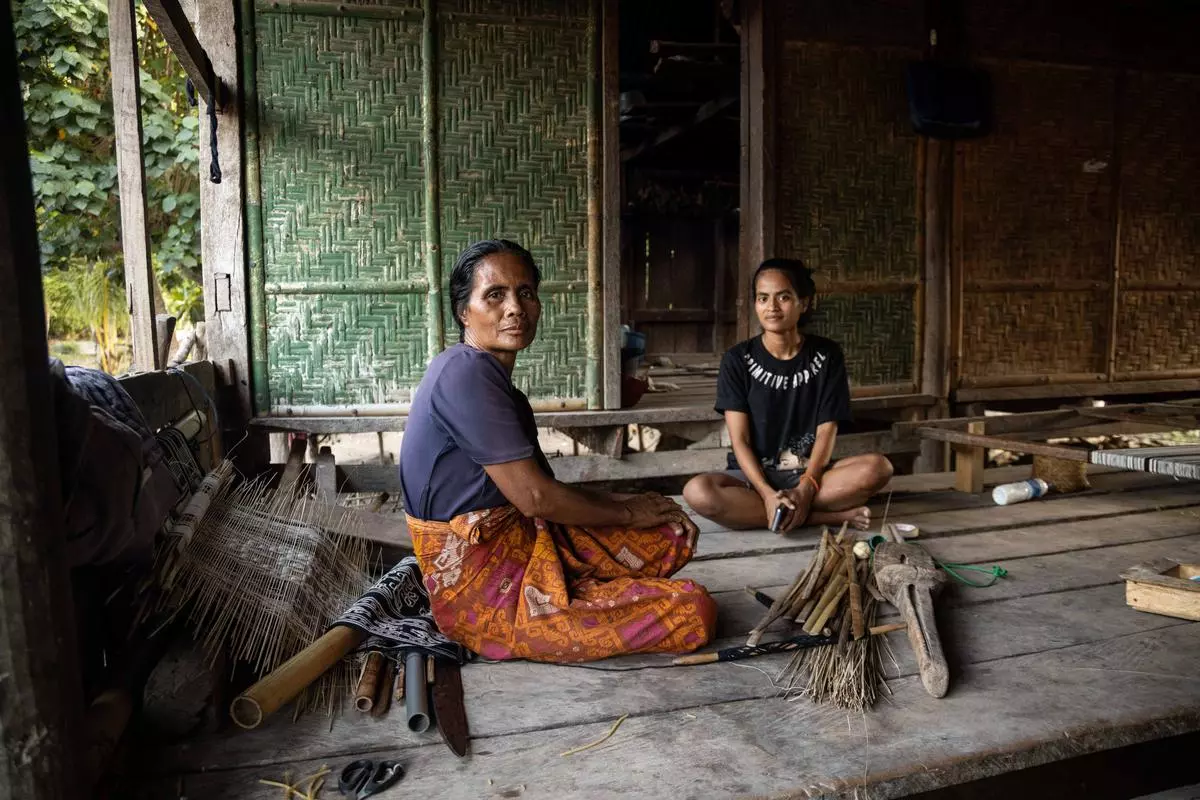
{"x": 757, "y": 235}
{"x": 131, "y": 182}
{"x": 42, "y": 698}
{"x": 177, "y": 30}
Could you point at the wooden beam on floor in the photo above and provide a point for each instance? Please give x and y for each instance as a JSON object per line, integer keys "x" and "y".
{"x": 970, "y": 438}
{"x": 177, "y": 30}
{"x": 131, "y": 182}
{"x": 41, "y": 698}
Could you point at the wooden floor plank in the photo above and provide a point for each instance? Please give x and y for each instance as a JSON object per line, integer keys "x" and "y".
{"x": 720, "y": 543}
{"x": 730, "y": 574}
{"x": 1000, "y": 715}
{"x": 507, "y": 698}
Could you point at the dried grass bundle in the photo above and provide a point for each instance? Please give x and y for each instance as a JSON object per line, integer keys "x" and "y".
{"x": 262, "y": 574}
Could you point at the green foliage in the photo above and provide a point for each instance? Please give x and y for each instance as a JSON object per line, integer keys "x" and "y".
{"x": 64, "y": 63}
{"x": 85, "y": 297}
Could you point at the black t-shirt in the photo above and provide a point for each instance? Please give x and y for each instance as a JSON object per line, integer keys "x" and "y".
{"x": 786, "y": 400}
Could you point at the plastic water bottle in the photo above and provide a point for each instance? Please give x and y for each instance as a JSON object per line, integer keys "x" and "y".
{"x": 1009, "y": 493}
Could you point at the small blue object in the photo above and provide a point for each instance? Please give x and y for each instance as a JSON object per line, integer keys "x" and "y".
{"x": 1196, "y": 578}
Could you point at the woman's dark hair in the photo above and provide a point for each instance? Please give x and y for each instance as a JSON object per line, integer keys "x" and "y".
{"x": 462, "y": 279}
{"x": 800, "y": 276}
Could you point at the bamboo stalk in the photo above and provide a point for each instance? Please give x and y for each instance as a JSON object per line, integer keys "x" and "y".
{"x": 289, "y": 679}
{"x": 835, "y": 585}
{"x": 368, "y": 682}
{"x": 829, "y": 608}
{"x": 856, "y": 616}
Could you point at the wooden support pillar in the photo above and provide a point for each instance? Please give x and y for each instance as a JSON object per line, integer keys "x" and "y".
{"x": 757, "y": 237}
{"x": 326, "y": 477}
{"x": 610, "y": 160}
{"x": 969, "y": 462}
{"x": 41, "y": 697}
{"x": 131, "y": 182}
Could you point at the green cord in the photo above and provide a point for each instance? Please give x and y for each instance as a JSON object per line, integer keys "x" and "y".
{"x": 997, "y": 572}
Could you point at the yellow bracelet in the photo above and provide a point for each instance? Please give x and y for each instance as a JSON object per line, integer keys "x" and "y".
{"x": 812, "y": 480}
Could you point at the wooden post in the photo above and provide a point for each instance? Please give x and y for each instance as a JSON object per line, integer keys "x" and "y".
{"x": 222, "y": 232}
{"x": 968, "y": 463}
{"x": 758, "y": 156}
{"x": 610, "y": 159}
{"x": 131, "y": 181}
{"x": 41, "y": 698}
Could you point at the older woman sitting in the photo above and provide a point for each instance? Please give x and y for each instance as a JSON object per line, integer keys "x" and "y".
{"x": 517, "y": 564}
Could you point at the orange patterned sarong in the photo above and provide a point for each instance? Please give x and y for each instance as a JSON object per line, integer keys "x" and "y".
{"x": 508, "y": 586}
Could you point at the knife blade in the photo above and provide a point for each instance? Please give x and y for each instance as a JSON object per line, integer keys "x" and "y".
{"x": 448, "y": 708}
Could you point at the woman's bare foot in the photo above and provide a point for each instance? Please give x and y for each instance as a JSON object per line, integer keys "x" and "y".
{"x": 859, "y": 518}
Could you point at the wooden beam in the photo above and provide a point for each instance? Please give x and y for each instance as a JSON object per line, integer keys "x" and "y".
{"x": 326, "y": 473}
{"x": 177, "y": 30}
{"x": 706, "y": 112}
{"x": 610, "y": 162}
{"x": 41, "y": 698}
{"x": 757, "y": 237}
{"x": 131, "y": 182}
{"x": 1070, "y": 390}
{"x": 973, "y": 439}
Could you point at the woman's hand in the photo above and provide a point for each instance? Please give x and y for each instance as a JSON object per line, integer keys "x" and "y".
{"x": 651, "y": 510}
{"x": 801, "y": 499}
{"x": 777, "y": 500}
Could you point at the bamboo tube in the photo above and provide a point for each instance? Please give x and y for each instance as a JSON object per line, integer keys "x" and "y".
{"x": 828, "y": 609}
{"x": 290, "y": 678}
{"x": 368, "y": 682}
{"x": 879, "y": 630}
{"x": 383, "y": 689}
{"x": 844, "y": 632}
{"x": 856, "y": 616}
{"x": 834, "y": 584}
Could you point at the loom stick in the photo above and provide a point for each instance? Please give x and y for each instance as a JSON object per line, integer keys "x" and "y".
{"x": 798, "y": 642}
{"x": 290, "y": 678}
{"x": 368, "y": 682}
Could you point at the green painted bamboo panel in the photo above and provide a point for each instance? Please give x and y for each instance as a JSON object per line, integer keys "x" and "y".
{"x": 513, "y": 158}
{"x": 343, "y": 183}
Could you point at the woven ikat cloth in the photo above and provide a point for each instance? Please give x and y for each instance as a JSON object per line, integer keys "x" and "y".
{"x": 395, "y": 615}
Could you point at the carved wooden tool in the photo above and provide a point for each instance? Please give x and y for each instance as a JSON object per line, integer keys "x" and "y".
{"x": 908, "y": 577}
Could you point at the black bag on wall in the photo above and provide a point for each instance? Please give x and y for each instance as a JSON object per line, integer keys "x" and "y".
{"x": 948, "y": 101}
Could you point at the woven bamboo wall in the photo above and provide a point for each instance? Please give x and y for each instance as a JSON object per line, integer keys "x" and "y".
{"x": 1158, "y": 312}
{"x": 340, "y": 151}
{"x": 847, "y": 195}
{"x": 1035, "y": 233}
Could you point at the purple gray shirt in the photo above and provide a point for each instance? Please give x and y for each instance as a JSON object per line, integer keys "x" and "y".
{"x": 465, "y": 414}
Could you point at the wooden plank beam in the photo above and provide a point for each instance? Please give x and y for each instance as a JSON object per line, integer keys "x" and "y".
{"x": 709, "y": 110}
{"x": 40, "y": 693}
{"x": 131, "y": 182}
{"x": 326, "y": 477}
{"x": 177, "y": 30}
{"x": 971, "y": 439}
{"x": 757, "y": 219}
{"x": 1067, "y": 390}
{"x": 610, "y": 162}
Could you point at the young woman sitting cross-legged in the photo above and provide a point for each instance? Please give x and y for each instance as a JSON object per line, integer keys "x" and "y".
{"x": 783, "y": 394}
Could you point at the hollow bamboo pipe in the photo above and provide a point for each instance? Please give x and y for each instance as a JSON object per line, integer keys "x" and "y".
{"x": 368, "y": 682}
{"x": 290, "y": 678}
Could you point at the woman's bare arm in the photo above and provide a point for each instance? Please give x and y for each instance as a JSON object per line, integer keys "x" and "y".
{"x": 536, "y": 494}
{"x": 739, "y": 436}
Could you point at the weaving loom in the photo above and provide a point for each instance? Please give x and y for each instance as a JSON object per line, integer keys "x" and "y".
{"x": 1182, "y": 461}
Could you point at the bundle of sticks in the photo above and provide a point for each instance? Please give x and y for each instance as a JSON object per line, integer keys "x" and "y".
{"x": 832, "y": 597}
